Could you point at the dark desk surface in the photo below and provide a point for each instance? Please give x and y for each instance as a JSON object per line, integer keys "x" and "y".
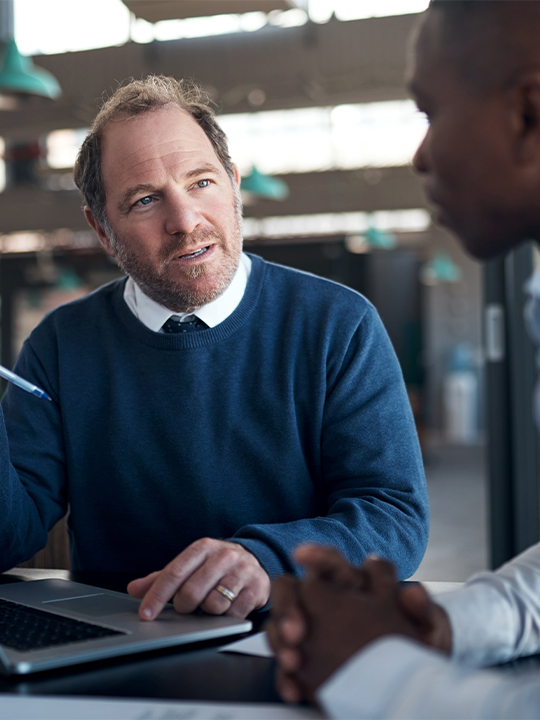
{"x": 197, "y": 672}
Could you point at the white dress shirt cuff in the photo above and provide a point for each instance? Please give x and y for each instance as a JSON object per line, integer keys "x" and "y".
{"x": 496, "y": 616}
{"x": 374, "y": 681}
{"x": 483, "y": 630}
{"x": 399, "y": 679}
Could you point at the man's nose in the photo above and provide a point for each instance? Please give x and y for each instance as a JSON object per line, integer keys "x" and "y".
{"x": 182, "y": 214}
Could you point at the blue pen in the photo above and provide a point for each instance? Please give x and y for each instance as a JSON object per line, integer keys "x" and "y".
{"x": 24, "y": 384}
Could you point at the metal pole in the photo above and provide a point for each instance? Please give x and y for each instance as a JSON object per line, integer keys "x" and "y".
{"x": 523, "y": 377}
{"x": 498, "y": 416}
{"x": 7, "y": 20}
{"x": 513, "y": 448}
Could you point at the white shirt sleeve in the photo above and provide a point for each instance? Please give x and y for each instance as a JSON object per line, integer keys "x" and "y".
{"x": 396, "y": 678}
{"x": 495, "y": 617}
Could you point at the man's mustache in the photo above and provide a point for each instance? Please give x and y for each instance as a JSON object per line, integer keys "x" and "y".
{"x": 182, "y": 244}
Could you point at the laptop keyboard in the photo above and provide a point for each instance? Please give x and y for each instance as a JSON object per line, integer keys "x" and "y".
{"x": 24, "y": 628}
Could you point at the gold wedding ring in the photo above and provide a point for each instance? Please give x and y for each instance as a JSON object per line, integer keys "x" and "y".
{"x": 226, "y": 592}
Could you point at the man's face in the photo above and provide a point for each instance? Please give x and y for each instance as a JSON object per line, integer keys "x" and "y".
{"x": 467, "y": 156}
{"x": 172, "y": 208}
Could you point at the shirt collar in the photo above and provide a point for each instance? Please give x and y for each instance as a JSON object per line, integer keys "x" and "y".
{"x": 153, "y": 315}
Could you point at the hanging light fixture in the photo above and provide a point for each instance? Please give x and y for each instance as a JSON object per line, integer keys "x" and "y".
{"x": 19, "y": 75}
{"x": 440, "y": 269}
{"x": 264, "y": 186}
{"x": 372, "y": 239}
{"x": 380, "y": 238}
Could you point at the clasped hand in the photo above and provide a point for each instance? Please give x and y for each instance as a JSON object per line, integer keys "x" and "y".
{"x": 319, "y": 622}
{"x": 191, "y": 578}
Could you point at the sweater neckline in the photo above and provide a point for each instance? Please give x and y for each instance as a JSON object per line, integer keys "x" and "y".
{"x": 201, "y": 338}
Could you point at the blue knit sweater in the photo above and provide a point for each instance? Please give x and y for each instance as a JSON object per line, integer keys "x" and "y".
{"x": 286, "y": 423}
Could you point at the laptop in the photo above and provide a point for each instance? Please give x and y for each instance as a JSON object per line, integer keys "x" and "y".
{"x": 51, "y": 623}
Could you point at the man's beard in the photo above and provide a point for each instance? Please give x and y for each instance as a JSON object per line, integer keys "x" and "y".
{"x": 173, "y": 293}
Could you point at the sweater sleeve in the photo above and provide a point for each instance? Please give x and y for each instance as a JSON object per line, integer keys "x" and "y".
{"x": 372, "y": 474}
{"x": 32, "y": 468}
{"x": 396, "y": 678}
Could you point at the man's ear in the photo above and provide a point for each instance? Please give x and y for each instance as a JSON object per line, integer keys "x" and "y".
{"x": 96, "y": 227}
{"x": 236, "y": 176}
{"x": 528, "y": 120}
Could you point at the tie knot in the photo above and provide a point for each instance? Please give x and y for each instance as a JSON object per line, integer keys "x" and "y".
{"x": 175, "y": 326}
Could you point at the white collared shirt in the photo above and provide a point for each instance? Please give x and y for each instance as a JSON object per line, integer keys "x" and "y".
{"x": 154, "y": 315}
{"x": 495, "y": 617}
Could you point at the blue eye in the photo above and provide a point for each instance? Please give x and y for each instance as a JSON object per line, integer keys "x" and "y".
{"x": 145, "y": 200}
{"x": 203, "y": 183}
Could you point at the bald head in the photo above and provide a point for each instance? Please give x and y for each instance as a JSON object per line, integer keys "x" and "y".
{"x": 475, "y": 73}
{"x": 489, "y": 43}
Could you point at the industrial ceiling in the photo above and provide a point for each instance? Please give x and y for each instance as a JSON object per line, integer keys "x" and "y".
{"x": 306, "y": 66}
{"x": 310, "y": 65}
{"x": 156, "y": 10}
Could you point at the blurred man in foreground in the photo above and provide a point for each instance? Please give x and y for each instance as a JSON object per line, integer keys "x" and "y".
{"x": 352, "y": 639}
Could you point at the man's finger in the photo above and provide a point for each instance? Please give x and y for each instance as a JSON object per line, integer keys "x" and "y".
{"x": 170, "y": 579}
{"x": 415, "y": 602}
{"x": 289, "y": 660}
{"x": 288, "y": 688}
{"x": 290, "y": 626}
{"x": 253, "y": 596}
{"x": 432, "y": 623}
{"x": 138, "y": 588}
{"x": 380, "y": 576}
{"x": 200, "y": 588}
{"x": 223, "y": 595}
{"x": 285, "y": 626}
{"x": 314, "y": 595}
{"x": 328, "y": 564}
{"x": 192, "y": 577}
{"x": 236, "y": 571}
{"x": 240, "y": 592}
{"x": 283, "y": 595}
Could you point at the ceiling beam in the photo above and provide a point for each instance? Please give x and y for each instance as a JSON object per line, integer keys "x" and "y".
{"x": 327, "y": 64}
{"x": 337, "y": 191}
{"x": 156, "y": 10}
{"x": 35, "y": 209}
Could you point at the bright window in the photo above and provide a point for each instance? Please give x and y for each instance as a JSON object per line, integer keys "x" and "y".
{"x": 59, "y": 26}
{"x": 309, "y": 139}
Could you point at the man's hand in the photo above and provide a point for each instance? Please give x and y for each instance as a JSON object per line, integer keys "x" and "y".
{"x": 288, "y": 624}
{"x": 321, "y": 621}
{"x": 432, "y": 623}
{"x": 190, "y": 580}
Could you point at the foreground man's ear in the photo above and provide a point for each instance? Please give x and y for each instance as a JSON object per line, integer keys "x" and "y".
{"x": 527, "y": 120}
{"x": 96, "y": 227}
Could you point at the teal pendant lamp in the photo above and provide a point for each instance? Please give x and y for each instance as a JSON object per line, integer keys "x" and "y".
{"x": 19, "y": 75}
{"x": 440, "y": 269}
{"x": 264, "y": 186}
{"x": 380, "y": 239}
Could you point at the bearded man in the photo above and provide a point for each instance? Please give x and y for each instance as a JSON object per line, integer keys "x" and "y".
{"x": 210, "y": 410}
